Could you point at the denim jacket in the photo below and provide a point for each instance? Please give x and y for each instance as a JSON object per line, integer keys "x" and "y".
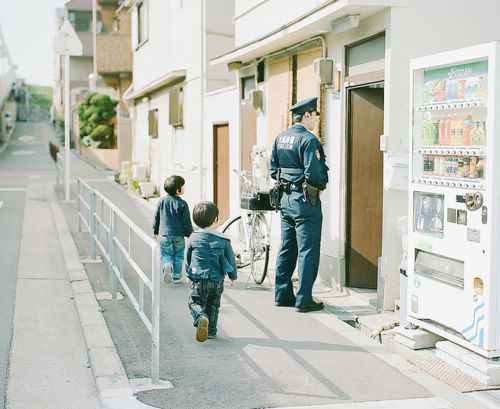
{"x": 209, "y": 255}
{"x": 172, "y": 217}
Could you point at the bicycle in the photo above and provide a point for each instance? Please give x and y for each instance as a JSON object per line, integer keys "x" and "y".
{"x": 250, "y": 231}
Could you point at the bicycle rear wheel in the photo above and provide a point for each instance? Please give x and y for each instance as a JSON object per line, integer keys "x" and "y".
{"x": 236, "y": 231}
{"x": 259, "y": 249}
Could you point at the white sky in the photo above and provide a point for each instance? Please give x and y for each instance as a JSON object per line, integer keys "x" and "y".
{"x": 28, "y": 30}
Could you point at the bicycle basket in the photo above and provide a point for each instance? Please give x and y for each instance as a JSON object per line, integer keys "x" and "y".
{"x": 254, "y": 194}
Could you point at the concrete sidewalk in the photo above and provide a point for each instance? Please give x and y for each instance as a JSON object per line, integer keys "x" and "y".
{"x": 263, "y": 356}
{"x": 48, "y": 362}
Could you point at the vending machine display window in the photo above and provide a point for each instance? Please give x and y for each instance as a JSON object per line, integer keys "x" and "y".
{"x": 428, "y": 215}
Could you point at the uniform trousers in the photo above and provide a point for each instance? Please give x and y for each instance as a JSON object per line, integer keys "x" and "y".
{"x": 300, "y": 243}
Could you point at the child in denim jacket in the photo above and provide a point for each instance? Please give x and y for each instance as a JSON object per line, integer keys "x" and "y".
{"x": 173, "y": 222}
{"x": 209, "y": 257}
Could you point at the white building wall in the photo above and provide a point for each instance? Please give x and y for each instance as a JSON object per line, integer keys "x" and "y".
{"x": 255, "y": 18}
{"x": 173, "y": 30}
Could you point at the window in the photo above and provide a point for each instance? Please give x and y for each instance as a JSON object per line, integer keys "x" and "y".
{"x": 176, "y": 107}
{"x": 142, "y": 22}
{"x": 247, "y": 85}
{"x": 153, "y": 123}
{"x": 366, "y": 56}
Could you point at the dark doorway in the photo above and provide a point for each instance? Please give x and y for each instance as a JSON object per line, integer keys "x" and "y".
{"x": 364, "y": 185}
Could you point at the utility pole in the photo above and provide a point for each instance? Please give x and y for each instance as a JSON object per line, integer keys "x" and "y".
{"x": 93, "y": 76}
{"x": 67, "y": 43}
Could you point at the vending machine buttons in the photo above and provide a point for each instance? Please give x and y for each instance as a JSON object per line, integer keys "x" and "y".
{"x": 484, "y": 215}
{"x": 451, "y": 215}
{"x": 462, "y": 217}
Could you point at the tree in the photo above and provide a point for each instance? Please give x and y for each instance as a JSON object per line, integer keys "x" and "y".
{"x": 95, "y": 112}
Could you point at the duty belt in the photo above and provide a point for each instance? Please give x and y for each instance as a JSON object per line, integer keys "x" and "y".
{"x": 292, "y": 171}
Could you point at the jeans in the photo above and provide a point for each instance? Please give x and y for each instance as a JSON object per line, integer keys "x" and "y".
{"x": 204, "y": 301}
{"x": 172, "y": 251}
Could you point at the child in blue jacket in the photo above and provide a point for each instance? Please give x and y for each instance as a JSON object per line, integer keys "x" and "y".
{"x": 173, "y": 223}
{"x": 209, "y": 257}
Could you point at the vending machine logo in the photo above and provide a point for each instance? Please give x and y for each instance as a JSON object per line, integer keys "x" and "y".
{"x": 459, "y": 72}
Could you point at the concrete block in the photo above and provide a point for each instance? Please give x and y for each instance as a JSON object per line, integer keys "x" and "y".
{"x": 89, "y": 315}
{"x": 86, "y": 300}
{"x": 77, "y": 274}
{"x": 483, "y": 369}
{"x": 97, "y": 336}
{"x": 116, "y": 386}
{"x": 105, "y": 362}
{"x": 82, "y": 287}
{"x": 415, "y": 338}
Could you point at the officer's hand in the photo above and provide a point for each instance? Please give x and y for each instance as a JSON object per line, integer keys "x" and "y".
{"x": 155, "y": 236}
{"x": 319, "y": 192}
{"x": 233, "y": 282}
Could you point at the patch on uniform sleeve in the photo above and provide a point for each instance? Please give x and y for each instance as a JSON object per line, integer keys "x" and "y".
{"x": 318, "y": 154}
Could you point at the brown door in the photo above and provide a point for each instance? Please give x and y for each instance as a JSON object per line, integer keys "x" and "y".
{"x": 221, "y": 170}
{"x": 364, "y": 189}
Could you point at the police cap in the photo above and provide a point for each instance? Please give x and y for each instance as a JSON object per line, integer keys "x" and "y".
{"x": 307, "y": 105}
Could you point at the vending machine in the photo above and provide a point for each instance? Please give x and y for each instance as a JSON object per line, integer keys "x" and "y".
{"x": 454, "y": 197}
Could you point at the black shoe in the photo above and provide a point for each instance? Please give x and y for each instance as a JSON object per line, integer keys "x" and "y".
{"x": 315, "y": 306}
{"x": 285, "y": 303}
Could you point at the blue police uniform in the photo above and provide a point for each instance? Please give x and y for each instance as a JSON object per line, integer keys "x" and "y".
{"x": 299, "y": 156}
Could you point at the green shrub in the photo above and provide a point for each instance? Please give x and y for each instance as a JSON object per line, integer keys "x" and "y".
{"x": 95, "y": 112}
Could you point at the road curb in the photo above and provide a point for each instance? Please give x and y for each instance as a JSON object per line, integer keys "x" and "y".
{"x": 113, "y": 387}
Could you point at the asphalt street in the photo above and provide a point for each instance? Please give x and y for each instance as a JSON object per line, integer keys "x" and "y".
{"x": 25, "y": 159}
{"x": 43, "y": 362}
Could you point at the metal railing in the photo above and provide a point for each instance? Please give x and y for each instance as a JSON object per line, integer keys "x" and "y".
{"x": 59, "y": 169}
{"x": 100, "y": 217}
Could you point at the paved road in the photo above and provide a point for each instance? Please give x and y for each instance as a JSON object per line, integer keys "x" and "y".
{"x": 23, "y": 160}
{"x": 43, "y": 362}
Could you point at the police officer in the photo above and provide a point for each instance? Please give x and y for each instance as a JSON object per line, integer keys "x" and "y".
{"x": 298, "y": 163}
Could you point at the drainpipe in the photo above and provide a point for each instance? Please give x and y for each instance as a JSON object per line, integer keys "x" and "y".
{"x": 202, "y": 92}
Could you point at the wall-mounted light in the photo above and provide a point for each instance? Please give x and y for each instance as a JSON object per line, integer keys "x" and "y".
{"x": 344, "y": 23}
{"x": 234, "y": 65}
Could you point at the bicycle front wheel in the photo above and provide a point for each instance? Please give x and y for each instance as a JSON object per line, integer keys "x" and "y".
{"x": 259, "y": 248}
{"x": 236, "y": 232}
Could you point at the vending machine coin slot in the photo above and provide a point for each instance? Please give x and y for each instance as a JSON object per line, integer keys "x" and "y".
{"x": 473, "y": 201}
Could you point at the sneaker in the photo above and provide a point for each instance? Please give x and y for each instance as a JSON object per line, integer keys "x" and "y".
{"x": 167, "y": 273}
{"x": 176, "y": 280}
{"x": 202, "y": 330}
{"x": 211, "y": 337}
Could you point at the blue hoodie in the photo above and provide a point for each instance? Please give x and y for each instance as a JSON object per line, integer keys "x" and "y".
{"x": 209, "y": 255}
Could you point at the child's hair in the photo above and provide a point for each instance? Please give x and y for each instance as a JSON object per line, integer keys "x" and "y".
{"x": 173, "y": 184}
{"x": 205, "y": 213}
